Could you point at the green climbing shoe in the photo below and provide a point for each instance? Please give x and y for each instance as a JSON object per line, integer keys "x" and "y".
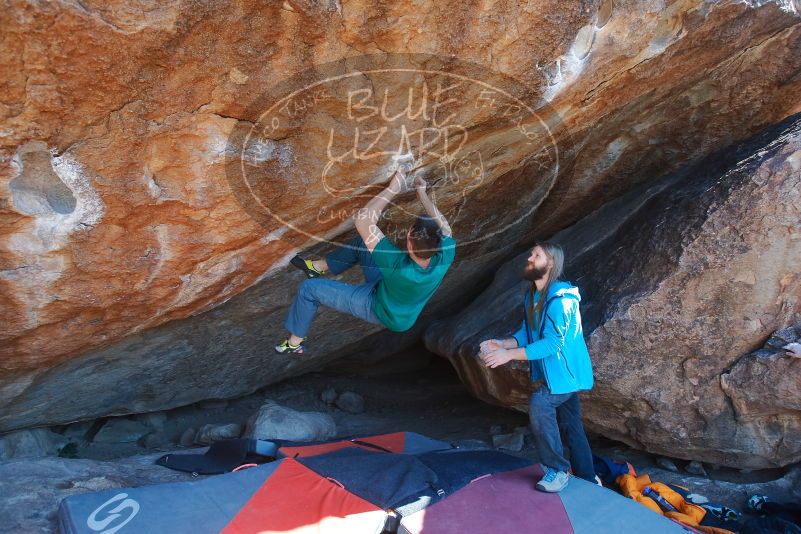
{"x": 307, "y": 266}
{"x": 286, "y": 348}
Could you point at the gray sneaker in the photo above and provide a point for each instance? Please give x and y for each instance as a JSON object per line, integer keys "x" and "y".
{"x": 554, "y": 481}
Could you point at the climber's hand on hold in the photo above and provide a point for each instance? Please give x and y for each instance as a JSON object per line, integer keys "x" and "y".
{"x": 420, "y": 185}
{"x": 398, "y": 182}
{"x": 490, "y": 345}
{"x": 496, "y": 358}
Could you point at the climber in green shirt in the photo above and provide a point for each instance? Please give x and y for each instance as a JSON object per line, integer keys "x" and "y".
{"x": 398, "y": 282}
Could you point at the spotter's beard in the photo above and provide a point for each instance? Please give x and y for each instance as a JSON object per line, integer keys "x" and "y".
{"x": 532, "y": 274}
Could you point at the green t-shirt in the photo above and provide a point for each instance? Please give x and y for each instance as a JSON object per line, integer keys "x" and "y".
{"x": 406, "y": 287}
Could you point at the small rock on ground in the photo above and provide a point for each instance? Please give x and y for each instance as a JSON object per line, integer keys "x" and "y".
{"x": 667, "y": 463}
{"x": 121, "y": 430}
{"x": 154, "y": 420}
{"x": 79, "y": 430}
{"x": 350, "y": 402}
{"x": 153, "y": 440}
{"x": 471, "y": 444}
{"x": 696, "y": 468}
{"x": 329, "y": 396}
{"x": 187, "y": 438}
{"x": 208, "y": 434}
{"x": 510, "y": 442}
{"x": 278, "y": 422}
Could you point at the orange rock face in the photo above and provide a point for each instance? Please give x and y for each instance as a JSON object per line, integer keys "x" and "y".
{"x": 121, "y": 212}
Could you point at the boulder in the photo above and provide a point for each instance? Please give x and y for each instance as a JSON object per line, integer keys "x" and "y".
{"x": 279, "y": 422}
{"x": 187, "y": 438}
{"x": 329, "y": 396}
{"x": 78, "y": 431}
{"x": 695, "y": 468}
{"x": 763, "y": 389}
{"x": 137, "y": 274}
{"x": 30, "y": 444}
{"x": 667, "y": 463}
{"x": 154, "y": 440}
{"x": 510, "y": 442}
{"x": 682, "y": 283}
{"x": 121, "y": 430}
{"x": 211, "y": 433}
{"x": 154, "y": 420}
{"x": 350, "y": 402}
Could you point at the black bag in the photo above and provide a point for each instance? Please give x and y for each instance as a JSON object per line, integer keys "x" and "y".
{"x": 222, "y": 456}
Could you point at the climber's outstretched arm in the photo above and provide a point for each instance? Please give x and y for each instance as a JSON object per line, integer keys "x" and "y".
{"x": 431, "y": 209}
{"x": 366, "y": 219}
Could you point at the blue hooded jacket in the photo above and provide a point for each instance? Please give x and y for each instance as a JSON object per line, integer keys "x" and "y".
{"x": 556, "y": 349}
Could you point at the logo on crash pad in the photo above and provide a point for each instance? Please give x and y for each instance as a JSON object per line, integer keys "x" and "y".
{"x": 110, "y": 521}
{"x": 316, "y": 147}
